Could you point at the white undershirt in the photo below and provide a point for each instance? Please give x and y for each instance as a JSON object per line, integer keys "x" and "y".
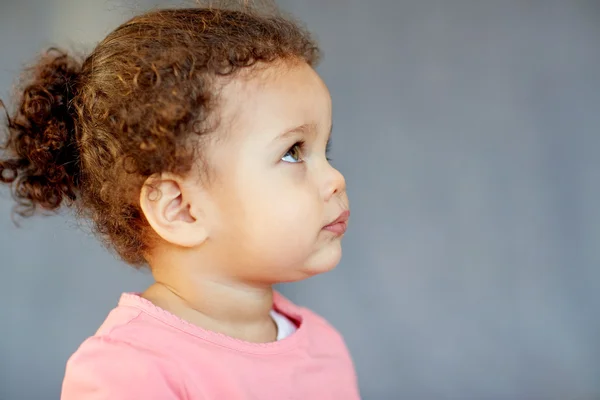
{"x": 285, "y": 327}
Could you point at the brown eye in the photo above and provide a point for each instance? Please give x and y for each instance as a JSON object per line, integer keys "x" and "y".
{"x": 294, "y": 154}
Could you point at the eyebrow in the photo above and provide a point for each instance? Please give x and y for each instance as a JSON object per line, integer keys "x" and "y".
{"x": 304, "y": 128}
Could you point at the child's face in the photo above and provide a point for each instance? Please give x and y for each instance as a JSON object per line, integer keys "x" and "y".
{"x": 273, "y": 199}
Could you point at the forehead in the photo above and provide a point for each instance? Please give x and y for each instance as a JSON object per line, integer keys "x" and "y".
{"x": 269, "y": 99}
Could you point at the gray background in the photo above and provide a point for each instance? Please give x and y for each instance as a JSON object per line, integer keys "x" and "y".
{"x": 468, "y": 133}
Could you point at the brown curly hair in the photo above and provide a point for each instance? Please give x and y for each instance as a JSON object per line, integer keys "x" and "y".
{"x": 88, "y": 132}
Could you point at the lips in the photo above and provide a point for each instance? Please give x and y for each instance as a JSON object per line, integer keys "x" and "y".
{"x": 340, "y": 224}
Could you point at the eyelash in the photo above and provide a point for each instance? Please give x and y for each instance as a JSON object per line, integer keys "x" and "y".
{"x": 300, "y": 145}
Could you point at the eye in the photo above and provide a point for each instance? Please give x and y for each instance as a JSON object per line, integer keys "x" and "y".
{"x": 294, "y": 154}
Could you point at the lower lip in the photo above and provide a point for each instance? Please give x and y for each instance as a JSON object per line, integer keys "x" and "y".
{"x": 338, "y": 228}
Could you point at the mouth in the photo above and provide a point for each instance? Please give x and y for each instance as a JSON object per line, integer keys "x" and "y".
{"x": 340, "y": 224}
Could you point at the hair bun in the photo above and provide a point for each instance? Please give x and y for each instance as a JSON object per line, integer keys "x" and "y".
{"x": 42, "y": 161}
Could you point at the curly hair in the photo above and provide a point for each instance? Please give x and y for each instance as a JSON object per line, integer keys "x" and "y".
{"x": 88, "y": 132}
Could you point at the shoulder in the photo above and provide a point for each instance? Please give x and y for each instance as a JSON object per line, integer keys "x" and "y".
{"x": 122, "y": 361}
{"x": 104, "y": 368}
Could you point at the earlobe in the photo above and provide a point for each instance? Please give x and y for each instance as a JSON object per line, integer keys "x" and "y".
{"x": 168, "y": 209}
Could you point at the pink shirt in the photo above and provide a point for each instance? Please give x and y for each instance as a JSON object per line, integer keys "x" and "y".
{"x": 144, "y": 352}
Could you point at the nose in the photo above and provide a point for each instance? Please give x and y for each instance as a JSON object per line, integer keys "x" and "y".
{"x": 334, "y": 183}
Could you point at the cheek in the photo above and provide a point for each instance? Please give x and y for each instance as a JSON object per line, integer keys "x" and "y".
{"x": 289, "y": 200}
{"x": 285, "y": 207}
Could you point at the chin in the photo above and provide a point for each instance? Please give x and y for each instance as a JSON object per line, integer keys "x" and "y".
{"x": 308, "y": 270}
{"x": 323, "y": 261}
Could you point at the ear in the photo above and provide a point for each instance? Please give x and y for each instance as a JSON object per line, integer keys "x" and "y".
{"x": 170, "y": 205}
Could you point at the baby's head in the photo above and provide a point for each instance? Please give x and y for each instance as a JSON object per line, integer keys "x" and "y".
{"x": 193, "y": 136}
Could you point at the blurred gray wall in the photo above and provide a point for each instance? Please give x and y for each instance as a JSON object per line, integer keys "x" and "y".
{"x": 468, "y": 132}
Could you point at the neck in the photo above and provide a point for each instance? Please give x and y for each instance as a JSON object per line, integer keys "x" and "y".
{"x": 214, "y": 303}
